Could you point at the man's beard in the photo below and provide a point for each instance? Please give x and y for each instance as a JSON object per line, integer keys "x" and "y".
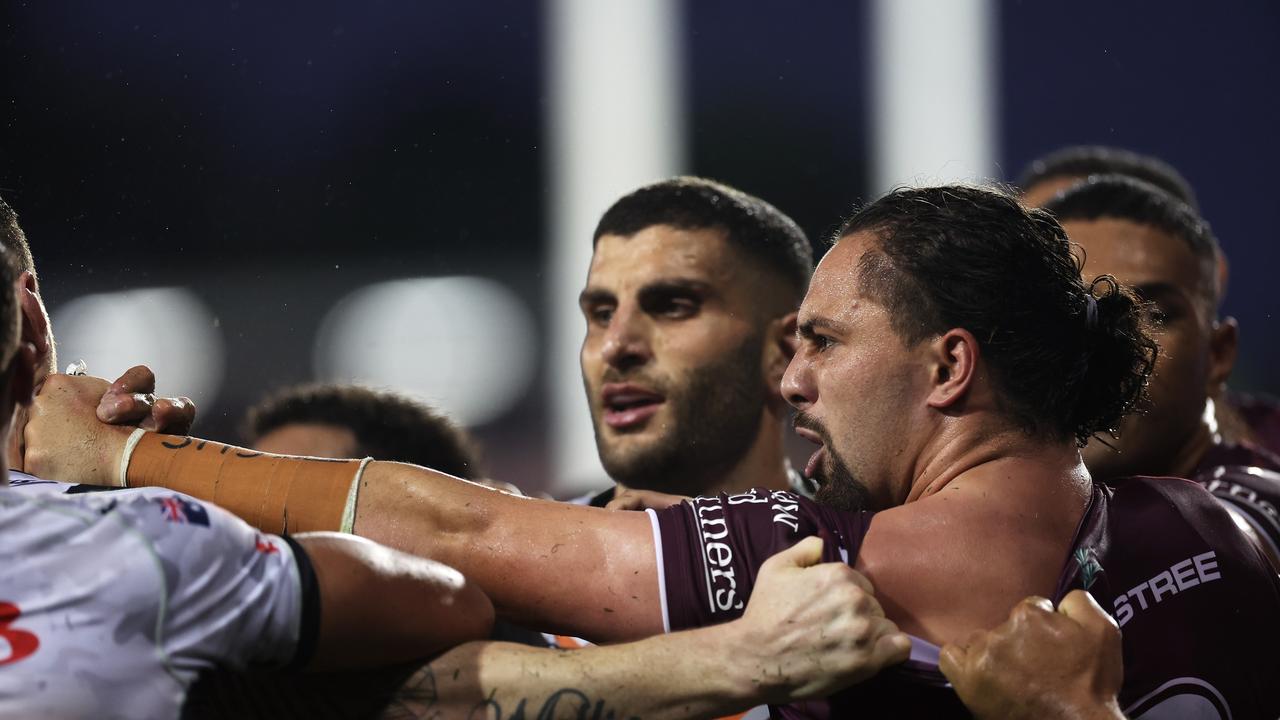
{"x": 715, "y": 417}
{"x": 838, "y": 487}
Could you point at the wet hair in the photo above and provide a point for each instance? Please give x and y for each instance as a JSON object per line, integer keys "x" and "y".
{"x": 1126, "y": 198}
{"x": 1084, "y": 160}
{"x": 387, "y": 426}
{"x": 15, "y": 241}
{"x": 1068, "y": 359}
{"x": 761, "y": 230}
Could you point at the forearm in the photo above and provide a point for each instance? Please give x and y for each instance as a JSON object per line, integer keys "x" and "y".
{"x": 553, "y": 566}
{"x": 683, "y": 675}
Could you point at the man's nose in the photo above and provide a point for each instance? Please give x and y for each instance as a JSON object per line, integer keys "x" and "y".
{"x": 797, "y": 382}
{"x": 626, "y": 343}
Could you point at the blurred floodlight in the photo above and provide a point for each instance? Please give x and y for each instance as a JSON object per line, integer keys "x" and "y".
{"x": 168, "y": 329}
{"x": 466, "y": 345}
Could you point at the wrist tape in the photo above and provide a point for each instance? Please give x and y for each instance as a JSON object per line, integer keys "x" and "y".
{"x": 278, "y": 494}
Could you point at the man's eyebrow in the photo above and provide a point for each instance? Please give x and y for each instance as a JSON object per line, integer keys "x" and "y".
{"x": 671, "y": 286}
{"x": 1158, "y": 290}
{"x": 809, "y": 328}
{"x": 594, "y": 296}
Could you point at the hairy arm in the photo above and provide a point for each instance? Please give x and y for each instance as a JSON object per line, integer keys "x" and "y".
{"x": 809, "y": 630}
{"x": 570, "y": 569}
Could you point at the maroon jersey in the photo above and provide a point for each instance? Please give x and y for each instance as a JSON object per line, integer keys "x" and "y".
{"x": 1246, "y": 478}
{"x": 1198, "y": 608}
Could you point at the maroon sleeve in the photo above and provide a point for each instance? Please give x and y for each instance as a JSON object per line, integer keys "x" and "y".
{"x": 710, "y": 548}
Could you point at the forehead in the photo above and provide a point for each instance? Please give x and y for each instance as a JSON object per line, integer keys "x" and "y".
{"x": 662, "y": 252}
{"x": 833, "y": 292}
{"x": 1043, "y": 191}
{"x": 1135, "y": 254}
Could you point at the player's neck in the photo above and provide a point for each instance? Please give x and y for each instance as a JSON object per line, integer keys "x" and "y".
{"x": 998, "y": 459}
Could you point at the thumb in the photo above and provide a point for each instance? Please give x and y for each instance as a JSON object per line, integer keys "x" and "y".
{"x": 806, "y": 553}
{"x": 1081, "y": 607}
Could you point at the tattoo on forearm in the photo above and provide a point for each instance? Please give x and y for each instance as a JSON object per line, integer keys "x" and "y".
{"x": 566, "y": 703}
{"x": 197, "y": 446}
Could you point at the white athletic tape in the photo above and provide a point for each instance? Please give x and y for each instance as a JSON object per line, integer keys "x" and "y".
{"x": 123, "y": 479}
{"x": 349, "y": 510}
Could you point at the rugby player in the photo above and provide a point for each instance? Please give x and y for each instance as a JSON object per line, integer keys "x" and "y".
{"x": 951, "y": 363}
{"x": 114, "y": 602}
{"x": 1252, "y": 418}
{"x": 690, "y": 306}
{"x": 1159, "y": 246}
{"x": 819, "y": 630}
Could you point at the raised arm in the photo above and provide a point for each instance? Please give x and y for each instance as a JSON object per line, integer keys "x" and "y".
{"x": 576, "y": 570}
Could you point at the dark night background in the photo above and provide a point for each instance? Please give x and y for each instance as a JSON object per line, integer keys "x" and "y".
{"x": 273, "y": 157}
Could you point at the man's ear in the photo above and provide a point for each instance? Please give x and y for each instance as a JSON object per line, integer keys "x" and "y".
{"x": 780, "y": 346}
{"x": 35, "y": 322}
{"x": 953, "y": 363}
{"x": 1224, "y": 338}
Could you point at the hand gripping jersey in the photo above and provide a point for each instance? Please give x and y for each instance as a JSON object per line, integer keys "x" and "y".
{"x": 111, "y": 603}
{"x": 1197, "y": 606}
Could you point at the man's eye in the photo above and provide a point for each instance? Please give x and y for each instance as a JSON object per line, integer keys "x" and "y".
{"x": 676, "y": 308}
{"x": 600, "y": 315}
{"x": 821, "y": 342}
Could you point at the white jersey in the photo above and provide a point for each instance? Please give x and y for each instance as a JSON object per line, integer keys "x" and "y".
{"x": 111, "y": 603}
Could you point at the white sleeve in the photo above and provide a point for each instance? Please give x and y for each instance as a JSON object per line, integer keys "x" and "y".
{"x": 234, "y": 597}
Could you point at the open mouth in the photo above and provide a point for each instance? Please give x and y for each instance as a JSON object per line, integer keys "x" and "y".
{"x": 815, "y": 460}
{"x": 629, "y": 406}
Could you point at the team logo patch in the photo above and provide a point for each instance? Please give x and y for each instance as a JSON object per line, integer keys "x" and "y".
{"x": 1087, "y": 559}
{"x": 182, "y": 511}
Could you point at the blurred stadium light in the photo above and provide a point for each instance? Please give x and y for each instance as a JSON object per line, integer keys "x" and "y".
{"x": 170, "y": 329}
{"x": 466, "y": 345}
{"x": 614, "y": 70}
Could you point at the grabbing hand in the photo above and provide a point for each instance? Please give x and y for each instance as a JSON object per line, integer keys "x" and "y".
{"x": 811, "y": 629}
{"x": 1041, "y": 663}
{"x": 130, "y": 400}
{"x": 64, "y": 440}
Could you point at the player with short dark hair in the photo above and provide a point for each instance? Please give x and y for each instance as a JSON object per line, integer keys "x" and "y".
{"x": 1162, "y": 248}
{"x": 350, "y": 421}
{"x": 1050, "y": 174}
{"x": 1241, "y": 417}
{"x": 690, "y": 305}
{"x": 978, "y": 497}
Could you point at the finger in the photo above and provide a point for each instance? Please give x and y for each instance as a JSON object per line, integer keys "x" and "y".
{"x": 806, "y": 553}
{"x": 118, "y": 408}
{"x": 625, "y": 501}
{"x": 137, "y": 379}
{"x": 172, "y": 416}
{"x": 1030, "y": 607}
{"x": 841, "y": 573}
{"x": 951, "y": 661}
{"x": 1081, "y": 607}
{"x": 891, "y": 648}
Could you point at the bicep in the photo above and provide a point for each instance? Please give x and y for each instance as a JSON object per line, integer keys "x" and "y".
{"x": 551, "y": 566}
